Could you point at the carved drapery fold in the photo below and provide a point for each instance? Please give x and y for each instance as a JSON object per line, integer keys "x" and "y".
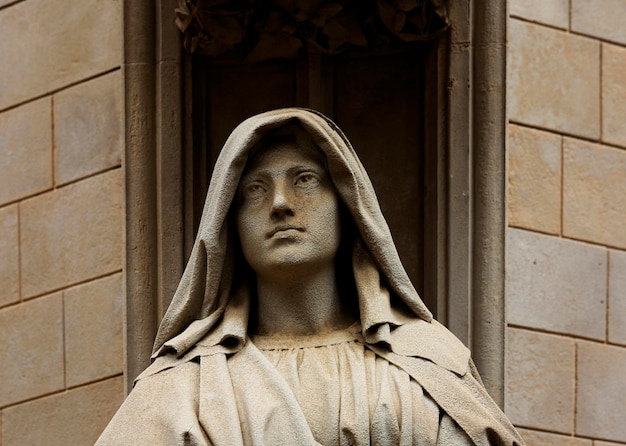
{"x": 251, "y": 31}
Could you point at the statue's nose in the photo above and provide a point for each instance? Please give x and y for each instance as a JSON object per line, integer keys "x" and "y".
{"x": 282, "y": 200}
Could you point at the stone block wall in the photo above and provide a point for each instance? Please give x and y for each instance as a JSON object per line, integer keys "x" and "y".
{"x": 566, "y": 241}
{"x": 61, "y": 221}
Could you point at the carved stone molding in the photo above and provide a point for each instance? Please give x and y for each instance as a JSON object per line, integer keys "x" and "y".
{"x": 251, "y": 31}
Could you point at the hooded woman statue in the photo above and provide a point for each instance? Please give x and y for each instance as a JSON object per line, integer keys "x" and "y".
{"x": 295, "y": 322}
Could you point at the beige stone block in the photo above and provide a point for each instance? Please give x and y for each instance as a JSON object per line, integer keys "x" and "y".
{"x": 76, "y": 417}
{"x": 554, "y": 79}
{"x": 48, "y": 44}
{"x": 93, "y": 330}
{"x": 601, "y": 391}
{"x": 71, "y": 234}
{"x": 617, "y": 297}
{"x": 555, "y": 284}
{"x": 9, "y": 256}
{"x": 600, "y": 18}
{"x": 606, "y": 443}
{"x": 549, "y": 12}
{"x": 535, "y": 438}
{"x": 26, "y": 144}
{"x": 534, "y": 179}
{"x": 594, "y": 193}
{"x": 614, "y": 94}
{"x": 88, "y": 131}
{"x": 31, "y": 351}
{"x": 540, "y": 378}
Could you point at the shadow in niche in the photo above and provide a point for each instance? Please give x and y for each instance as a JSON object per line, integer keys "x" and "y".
{"x": 377, "y": 97}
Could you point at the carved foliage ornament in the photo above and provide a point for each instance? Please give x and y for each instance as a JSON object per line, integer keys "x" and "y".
{"x": 252, "y": 30}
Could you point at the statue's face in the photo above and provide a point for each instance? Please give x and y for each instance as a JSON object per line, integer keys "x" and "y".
{"x": 288, "y": 217}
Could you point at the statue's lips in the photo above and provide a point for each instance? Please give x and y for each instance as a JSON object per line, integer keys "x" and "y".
{"x": 283, "y": 228}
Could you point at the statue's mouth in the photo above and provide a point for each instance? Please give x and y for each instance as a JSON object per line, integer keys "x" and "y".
{"x": 282, "y": 228}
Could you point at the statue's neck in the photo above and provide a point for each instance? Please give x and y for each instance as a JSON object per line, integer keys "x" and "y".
{"x": 301, "y": 306}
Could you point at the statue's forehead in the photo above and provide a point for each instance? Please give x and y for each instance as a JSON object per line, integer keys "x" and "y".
{"x": 283, "y": 155}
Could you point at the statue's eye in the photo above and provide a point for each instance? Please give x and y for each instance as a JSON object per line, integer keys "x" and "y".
{"x": 306, "y": 179}
{"x": 254, "y": 190}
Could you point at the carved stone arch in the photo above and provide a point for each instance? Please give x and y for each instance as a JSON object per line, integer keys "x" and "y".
{"x": 467, "y": 185}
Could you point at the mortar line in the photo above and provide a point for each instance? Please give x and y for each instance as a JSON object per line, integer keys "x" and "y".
{"x": 523, "y": 19}
{"x": 569, "y": 30}
{"x": 533, "y": 230}
{"x": 61, "y": 88}
{"x": 52, "y": 142}
{"x": 61, "y": 391}
{"x": 56, "y": 290}
{"x": 569, "y": 16}
{"x": 596, "y": 244}
{"x": 69, "y": 183}
{"x": 575, "y": 387}
{"x": 8, "y": 5}
{"x": 566, "y": 134}
{"x": 601, "y": 87}
{"x": 608, "y": 294}
{"x": 90, "y": 175}
{"x": 64, "y": 345}
{"x": 19, "y": 252}
{"x": 570, "y": 336}
{"x": 75, "y": 284}
{"x": 562, "y": 188}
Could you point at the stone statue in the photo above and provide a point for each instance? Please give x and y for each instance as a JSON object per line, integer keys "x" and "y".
{"x": 295, "y": 322}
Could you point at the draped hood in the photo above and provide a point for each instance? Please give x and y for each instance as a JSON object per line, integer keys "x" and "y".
{"x": 210, "y": 384}
{"x": 210, "y": 308}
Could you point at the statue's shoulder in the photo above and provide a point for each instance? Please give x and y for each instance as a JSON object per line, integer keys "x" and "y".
{"x": 170, "y": 360}
{"x": 161, "y": 409}
{"x": 170, "y": 369}
{"x": 431, "y": 341}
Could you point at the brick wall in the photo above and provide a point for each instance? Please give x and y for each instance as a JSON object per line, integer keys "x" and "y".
{"x": 61, "y": 223}
{"x": 566, "y": 242}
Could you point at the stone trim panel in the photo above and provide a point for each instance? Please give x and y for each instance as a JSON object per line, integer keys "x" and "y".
{"x": 49, "y": 44}
{"x": 26, "y": 142}
{"x": 556, "y": 284}
{"x": 594, "y": 193}
{"x": 71, "y": 234}
{"x": 553, "y": 80}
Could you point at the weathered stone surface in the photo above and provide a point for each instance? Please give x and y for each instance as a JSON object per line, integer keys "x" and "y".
{"x": 72, "y": 234}
{"x": 9, "y": 256}
{"x": 534, "y": 438}
{"x": 554, "y": 79}
{"x": 76, "y": 417}
{"x": 600, "y": 18}
{"x": 93, "y": 330}
{"x": 606, "y": 443}
{"x": 47, "y": 44}
{"x": 601, "y": 391}
{"x": 617, "y": 297}
{"x": 540, "y": 374}
{"x": 31, "y": 351}
{"x": 555, "y": 284}
{"x": 550, "y": 12}
{"x": 88, "y": 128}
{"x": 26, "y": 142}
{"x": 534, "y": 179}
{"x": 613, "y": 94}
{"x": 594, "y": 193}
